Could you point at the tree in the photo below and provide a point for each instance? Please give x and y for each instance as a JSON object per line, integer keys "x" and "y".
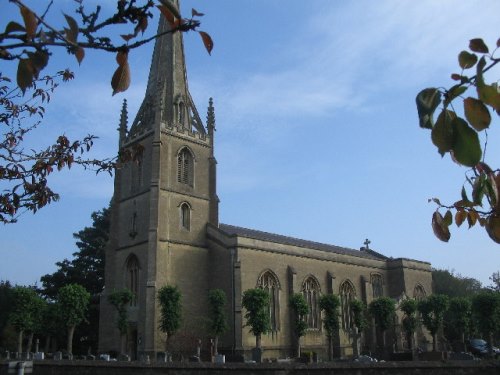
{"x": 6, "y": 301}
{"x": 29, "y": 41}
{"x": 169, "y": 298}
{"x": 486, "y": 314}
{"x": 329, "y": 304}
{"x": 383, "y": 310}
{"x": 218, "y": 326}
{"x": 358, "y": 309}
{"x": 120, "y": 299}
{"x": 410, "y": 321}
{"x": 454, "y": 285}
{"x": 300, "y": 310}
{"x": 87, "y": 266}
{"x": 432, "y": 309}
{"x": 460, "y": 137}
{"x": 256, "y": 303}
{"x": 457, "y": 320}
{"x": 25, "y": 311}
{"x": 495, "y": 279}
{"x": 72, "y": 301}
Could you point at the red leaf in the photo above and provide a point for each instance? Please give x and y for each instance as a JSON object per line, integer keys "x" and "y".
{"x": 121, "y": 78}
{"x": 121, "y": 57}
{"x": 478, "y": 45}
{"x": 127, "y": 37}
{"x": 207, "y": 41}
{"x": 80, "y": 54}
{"x": 30, "y": 22}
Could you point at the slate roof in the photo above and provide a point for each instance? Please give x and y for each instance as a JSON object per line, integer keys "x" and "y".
{"x": 232, "y": 231}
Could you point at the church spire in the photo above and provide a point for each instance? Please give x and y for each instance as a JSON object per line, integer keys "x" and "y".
{"x": 167, "y": 101}
{"x": 122, "y": 129}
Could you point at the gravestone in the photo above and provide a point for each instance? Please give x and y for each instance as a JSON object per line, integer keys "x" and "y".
{"x": 39, "y": 356}
{"x": 57, "y": 356}
{"x": 162, "y": 357}
{"x": 145, "y": 359}
{"x": 7, "y": 355}
{"x": 257, "y": 355}
{"x": 124, "y": 358}
{"x": 104, "y": 357}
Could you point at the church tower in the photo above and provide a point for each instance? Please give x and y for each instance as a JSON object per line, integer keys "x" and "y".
{"x": 161, "y": 206}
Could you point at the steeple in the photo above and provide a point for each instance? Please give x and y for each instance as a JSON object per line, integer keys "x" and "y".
{"x": 122, "y": 129}
{"x": 167, "y": 101}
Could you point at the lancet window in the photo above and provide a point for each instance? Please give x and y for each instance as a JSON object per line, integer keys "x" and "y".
{"x": 269, "y": 282}
{"x": 132, "y": 278}
{"x": 185, "y": 167}
{"x": 347, "y": 294}
{"x": 311, "y": 292}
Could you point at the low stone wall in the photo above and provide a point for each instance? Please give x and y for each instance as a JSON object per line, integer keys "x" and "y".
{"x": 343, "y": 368}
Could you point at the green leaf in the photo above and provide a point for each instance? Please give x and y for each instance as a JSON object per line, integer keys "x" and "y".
{"x": 13, "y": 27}
{"x": 477, "y": 113}
{"x": 489, "y": 95}
{"x": 466, "y": 148}
{"x": 427, "y": 102}
{"x": 467, "y": 60}
{"x": 442, "y": 134}
{"x": 448, "y": 218}
{"x": 478, "y": 45}
{"x": 453, "y": 92}
{"x": 465, "y": 198}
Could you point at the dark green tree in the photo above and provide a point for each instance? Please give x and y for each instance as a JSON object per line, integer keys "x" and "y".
{"x": 454, "y": 285}
{"x": 359, "y": 311}
{"x": 6, "y": 306}
{"x": 383, "y": 310}
{"x": 72, "y": 302}
{"x": 24, "y": 313}
{"x": 120, "y": 299}
{"x": 218, "y": 319}
{"x": 300, "y": 310}
{"x": 495, "y": 279}
{"x": 486, "y": 314}
{"x": 432, "y": 310}
{"x": 457, "y": 322}
{"x": 87, "y": 266}
{"x": 256, "y": 303}
{"x": 169, "y": 298}
{"x": 329, "y": 304}
{"x": 410, "y": 322}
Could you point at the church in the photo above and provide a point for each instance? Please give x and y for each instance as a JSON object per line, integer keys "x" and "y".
{"x": 165, "y": 230}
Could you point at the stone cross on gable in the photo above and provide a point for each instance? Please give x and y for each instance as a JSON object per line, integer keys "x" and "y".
{"x": 367, "y": 243}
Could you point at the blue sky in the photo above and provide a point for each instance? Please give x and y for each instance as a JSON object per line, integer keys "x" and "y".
{"x": 317, "y": 131}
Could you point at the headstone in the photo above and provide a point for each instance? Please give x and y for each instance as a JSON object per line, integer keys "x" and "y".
{"x": 145, "y": 359}
{"x": 194, "y": 358}
{"x": 162, "y": 357}
{"x": 7, "y": 355}
{"x": 37, "y": 343}
{"x": 220, "y": 358}
{"x": 39, "y": 356}
{"x": 20, "y": 367}
{"x": 57, "y": 356}
{"x": 124, "y": 358}
{"x": 90, "y": 357}
{"x": 257, "y": 355}
{"x": 104, "y": 357}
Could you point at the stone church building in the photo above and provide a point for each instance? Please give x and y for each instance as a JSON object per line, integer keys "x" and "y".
{"x": 165, "y": 230}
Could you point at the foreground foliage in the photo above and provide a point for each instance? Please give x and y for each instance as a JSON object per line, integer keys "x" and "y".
{"x": 465, "y": 139}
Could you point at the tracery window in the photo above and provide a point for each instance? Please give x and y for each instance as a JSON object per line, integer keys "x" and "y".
{"x": 311, "y": 292}
{"x": 347, "y": 294}
{"x": 185, "y": 167}
{"x": 269, "y": 282}
{"x": 132, "y": 278}
{"x": 185, "y": 216}
{"x": 377, "y": 285}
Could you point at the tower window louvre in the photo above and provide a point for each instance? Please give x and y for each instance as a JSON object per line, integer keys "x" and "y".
{"x": 185, "y": 167}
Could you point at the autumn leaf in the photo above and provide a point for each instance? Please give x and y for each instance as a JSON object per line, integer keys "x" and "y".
{"x": 121, "y": 78}
{"x": 466, "y": 60}
{"x": 13, "y": 27}
{"x": 80, "y": 54}
{"x": 30, "y": 22}
{"x": 195, "y": 13}
{"x": 477, "y": 113}
{"x": 207, "y": 41}
{"x": 493, "y": 228}
{"x": 24, "y": 74}
{"x": 460, "y": 217}
{"x": 478, "y": 45}
{"x": 440, "y": 229}
{"x": 121, "y": 57}
{"x": 72, "y": 32}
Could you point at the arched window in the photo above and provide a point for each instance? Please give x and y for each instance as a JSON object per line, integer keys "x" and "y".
{"x": 185, "y": 216}
{"x": 419, "y": 292}
{"x": 132, "y": 278}
{"x": 311, "y": 292}
{"x": 185, "y": 167}
{"x": 347, "y": 294}
{"x": 377, "y": 285}
{"x": 269, "y": 282}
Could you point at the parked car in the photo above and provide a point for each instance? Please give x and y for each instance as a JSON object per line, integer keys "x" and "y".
{"x": 481, "y": 348}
